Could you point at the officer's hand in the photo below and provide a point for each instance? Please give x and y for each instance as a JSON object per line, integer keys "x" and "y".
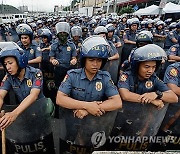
{"x": 55, "y": 62}
{"x": 159, "y": 103}
{"x": 80, "y": 113}
{"x": 147, "y": 97}
{"x": 7, "y": 119}
{"x": 73, "y": 61}
{"x": 94, "y": 109}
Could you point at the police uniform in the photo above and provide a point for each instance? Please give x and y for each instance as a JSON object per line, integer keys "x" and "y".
{"x": 130, "y": 81}
{"x": 172, "y": 74}
{"x": 32, "y": 52}
{"x": 78, "y": 46}
{"x": 114, "y": 39}
{"x": 64, "y": 54}
{"x": 170, "y": 36}
{"x": 129, "y": 35}
{"x": 174, "y": 50}
{"x": 78, "y": 86}
{"x": 157, "y": 40}
{"x": 32, "y": 79}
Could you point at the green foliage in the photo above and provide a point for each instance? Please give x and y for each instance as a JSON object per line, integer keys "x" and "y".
{"x": 127, "y": 9}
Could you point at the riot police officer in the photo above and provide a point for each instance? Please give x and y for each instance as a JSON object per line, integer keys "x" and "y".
{"x": 129, "y": 38}
{"x": 159, "y": 34}
{"x": 32, "y": 51}
{"x": 63, "y": 52}
{"x": 142, "y": 91}
{"x": 174, "y": 52}
{"x": 88, "y": 92}
{"x": 26, "y": 82}
{"x": 172, "y": 37}
{"x": 76, "y": 33}
{"x": 111, "y": 37}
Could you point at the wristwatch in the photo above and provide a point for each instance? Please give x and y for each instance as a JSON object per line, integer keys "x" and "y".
{"x": 159, "y": 94}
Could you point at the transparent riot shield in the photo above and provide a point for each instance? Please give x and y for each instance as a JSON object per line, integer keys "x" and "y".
{"x": 31, "y": 132}
{"x": 137, "y": 121}
{"x": 84, "y": 135}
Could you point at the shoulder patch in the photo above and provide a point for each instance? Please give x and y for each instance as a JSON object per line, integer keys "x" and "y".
{"x": 65, "y": 78}
{"x": 173, "y": 49}
{"x": 123, "y": 77}
{"x": 38, "y": 75}
{"x": 173, "y": 72}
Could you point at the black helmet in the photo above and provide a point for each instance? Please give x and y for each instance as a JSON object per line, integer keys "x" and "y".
{"x": 144, "y": 37}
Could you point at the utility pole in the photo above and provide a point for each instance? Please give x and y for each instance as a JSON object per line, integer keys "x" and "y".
{"x": 115, "y": 5}
{"x": 161, "y": 6}
{"x": 107, "y": 8}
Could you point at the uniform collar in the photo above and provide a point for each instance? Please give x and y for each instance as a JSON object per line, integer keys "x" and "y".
{"x": 83, "y": 75}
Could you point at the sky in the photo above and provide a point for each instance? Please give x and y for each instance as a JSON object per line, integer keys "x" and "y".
{"x": 37, "y": 5}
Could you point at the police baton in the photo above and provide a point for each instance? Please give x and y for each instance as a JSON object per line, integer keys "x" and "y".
{"x": 3, "y": 136}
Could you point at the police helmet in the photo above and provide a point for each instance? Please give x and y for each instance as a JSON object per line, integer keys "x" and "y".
{"x": 76, "y": 31}
{"x": 134, "y": 21}
{"x": 144, "y": 37}
{"x": 39, "y": 22}
{"x": 160, "y": 23}
{"x": 33, "y": 25}
{"x": 149, "y": 52}
{"x": 172, "y": 25}
{"x": 24, "y": 29}
{"x": 178, "y": 25}
{"x": 62, "y": 27}
{"x": 46, "y": 33}
{"x": 84, "y": 29}
{"x": 11, "y": 49}
{"x": 95, "y": 47}
{"x": 100, "y": 29}
{"x": 103, "y": 22}
{"x": 110, "y": 28}
{"x": 92, "y": 23}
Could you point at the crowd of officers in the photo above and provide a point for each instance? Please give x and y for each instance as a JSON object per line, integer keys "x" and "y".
{"x": 54, "y": 46}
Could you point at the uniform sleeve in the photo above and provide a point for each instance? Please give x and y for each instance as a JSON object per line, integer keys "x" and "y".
{"x": 113, "y": 49}
{"x": 171, "y": 35}
{"x": 52, "y": 51}
{"x": 125, "y": 36}
{"x": 5, "y": 84}
{"x": 66, "y": 84}
{"x": 110, "y": 88}
{"x": 171, "y": 75}
{"x": 172, "y": 51}
{"x": 117, "y": 39}
{"x": 160, "y": 85}
{"x": 124, "y": 81}
{"x": 38, "y": 52}
{"x": 37, "y": 80}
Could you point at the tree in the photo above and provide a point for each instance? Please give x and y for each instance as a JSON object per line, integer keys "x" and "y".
{"x": 127, "y": 9}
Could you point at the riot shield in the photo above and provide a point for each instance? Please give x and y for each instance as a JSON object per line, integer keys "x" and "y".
{"x": 84, "y": 135}
{"x": 31, "y": 132}
{"x": 137, "y": 120}
{"x": 112, "y": 67}
{"x": 170, "y": 128}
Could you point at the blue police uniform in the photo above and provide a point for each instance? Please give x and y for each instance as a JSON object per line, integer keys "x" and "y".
{"x": 158, "y": 40}
{"x": 129, "y": 35}
{"x": 32, "y": 79}
{"x": 78, "y": 86}
{"x": 170, "y": 36}
{"x": 78, "y": 45}
{"x": 114, "y": 39}
{"x": 45, "y": 54}
{"x": 172, "y": 74}
{"x": 130, "y": 81}
{"x": 174, "y": 50}
{"x": 32, "y": 52}
{"x": 63, "y": 53}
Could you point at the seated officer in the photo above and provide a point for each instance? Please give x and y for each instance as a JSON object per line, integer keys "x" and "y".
{"x": 26, "y": 82}
{"x": 89, "y": 91}
{"x": 147, "y": 87}
{"x": 174, "y": 52}
{"x": 32, "y": 51}
{"x": 144, "y": 95}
